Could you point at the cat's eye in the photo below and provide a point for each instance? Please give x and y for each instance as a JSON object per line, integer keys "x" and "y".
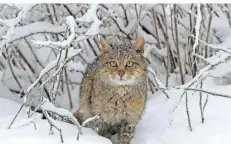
{"x": 129, "y": 63}
{"x": 113, "y": 63}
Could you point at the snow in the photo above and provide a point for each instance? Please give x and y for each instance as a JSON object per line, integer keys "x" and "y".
{"x": 214, "y": 131}
{"x": 156, "y": 125}
{"x": 27, "y": 134}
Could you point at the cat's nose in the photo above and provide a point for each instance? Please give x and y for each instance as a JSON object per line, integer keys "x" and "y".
{"x": 121, "y": 73}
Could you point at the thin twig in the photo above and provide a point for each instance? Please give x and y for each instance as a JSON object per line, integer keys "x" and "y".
{"x": 200, "y": 104}
{"x": 187, "y": 111}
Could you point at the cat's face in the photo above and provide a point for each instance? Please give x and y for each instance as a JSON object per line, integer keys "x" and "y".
{"x": 121, "y": 65}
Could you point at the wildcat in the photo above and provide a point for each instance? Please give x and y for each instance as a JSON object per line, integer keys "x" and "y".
{"x": 115, "y": 88}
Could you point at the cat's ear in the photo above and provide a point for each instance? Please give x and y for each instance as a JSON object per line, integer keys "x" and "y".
{"x": 138, "y": 46}
{"x": 104, "y": 46}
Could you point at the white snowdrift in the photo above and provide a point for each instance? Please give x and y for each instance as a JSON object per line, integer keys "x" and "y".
{"x": 154, "y": 128}
{"x": 28, "y": 134}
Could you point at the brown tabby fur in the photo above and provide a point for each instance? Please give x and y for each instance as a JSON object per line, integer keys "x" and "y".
{"x": 119, "y": 105}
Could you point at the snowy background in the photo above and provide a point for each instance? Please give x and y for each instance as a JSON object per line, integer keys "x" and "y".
{"x": 45, "y": 49}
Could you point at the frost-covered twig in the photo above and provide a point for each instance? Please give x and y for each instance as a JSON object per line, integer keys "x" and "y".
{"x": 202, "y": 108}
{"x": 30, "y": 114}
{"x": 187, "y": 111}
{"x": 48, "y": 68}
{"x": 12, "y": 23}
{"x": 90, "y": 17}
{"x": 119, "y": 23}
{"x": 203, "y": 73}
{"x": 37, "y": 28}
{"x": 12, "y": 71}
{"x": 11, "y": 123}
{"x": 86, "y": 122}
{"x": 70, "y": 21}
{"x": 217, "y": 59}
{"x": 55, "y": 87}
{"x": 216, "y": 46}
{"x": 197, "y": 27}
{"x": 63, "y": 64}
{"x": 48, "y": 106}
{"x": 151, "y": 85}
{"x": 27, "y": 121}
{"x": 200, "y": 104}
{"x": 201, "y": 57}
{"x": 68, "y": 89}
{"x": 53, "y": 123}
{"x": 211, "y": 92}
{"x": 205, "y": 104}
{"x": 160, "y": 86}
{"x": 177, "y": 44}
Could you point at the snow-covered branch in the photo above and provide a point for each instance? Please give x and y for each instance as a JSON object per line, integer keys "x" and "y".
{"x": 211, "y": 92}
{"x": 70, "y": 21}
{"x": 86, "y": 122}
{"x": 220, "y": 57}
{"x": 48, "y": 68}
{"x": 222, "y": 47}
{"x": 90, "y": 17}
{"x": 12, "y": 23}
{"x": 25, "y": 122}
{"x": 37, "y": 28}
{"x": 63, "y": 63}
{"x": 158, "y": 82}
{"x": 53, "y": 124}
{"x": 48, "y": 106}
{"x": 197, "y": 26}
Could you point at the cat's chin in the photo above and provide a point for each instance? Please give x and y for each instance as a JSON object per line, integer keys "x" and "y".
{"x": 117, "y": 82}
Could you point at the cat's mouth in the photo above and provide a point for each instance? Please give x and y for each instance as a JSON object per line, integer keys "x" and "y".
{"x": 122, "y": 80}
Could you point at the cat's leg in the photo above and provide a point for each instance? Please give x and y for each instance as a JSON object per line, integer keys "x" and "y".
{"x": 103, "y": 129}
{"x": 84, "y": 110}
{"x": 126, "y": 133}
{"x": 80, "y": 115}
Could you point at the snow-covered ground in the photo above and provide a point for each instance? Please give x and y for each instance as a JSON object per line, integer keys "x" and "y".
{"x": 27, "y": 134}
{"x": 154, "y": 128}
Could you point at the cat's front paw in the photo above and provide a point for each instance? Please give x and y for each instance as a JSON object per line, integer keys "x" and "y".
{"x": 125, "y": 138}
